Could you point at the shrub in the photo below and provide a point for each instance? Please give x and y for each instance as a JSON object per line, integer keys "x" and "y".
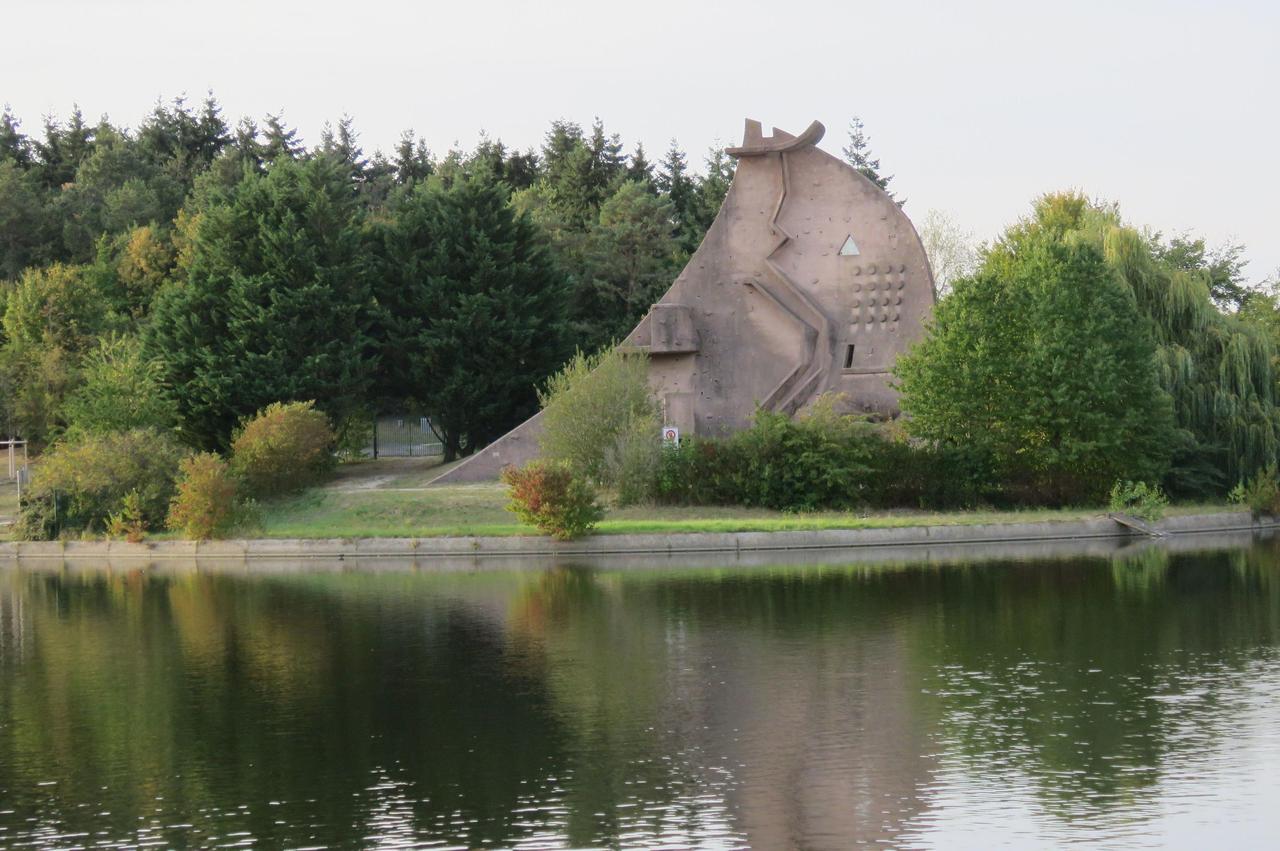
{"x": 205, "y": 503}
{"x": 1261, "y": 493}
{"x": 821, "y": 459}
{"x": 632, "y": 463}
{"x": 593, "y": 404}
{"x": 285, "y": 447}
{"x": 695, "y": 473}
{"x": 549, "y": 495}
{"x": 130, "y": 523}
{"x": 934, "y": 477}
{"x": 86, "y": 477}
{"x": 1139, "y": 499}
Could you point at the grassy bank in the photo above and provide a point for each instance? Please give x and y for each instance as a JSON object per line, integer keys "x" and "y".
{"x": 390, "y": 499}
{"x": 8, "y": 507}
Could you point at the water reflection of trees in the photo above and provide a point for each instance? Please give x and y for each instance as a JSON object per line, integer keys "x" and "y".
{"x": 206, "y": 699}
{"x": 1073, "y": 675}
{"x": 790, "y": 706}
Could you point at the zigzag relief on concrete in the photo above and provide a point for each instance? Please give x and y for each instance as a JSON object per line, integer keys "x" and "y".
{"x": 810, "y": 280}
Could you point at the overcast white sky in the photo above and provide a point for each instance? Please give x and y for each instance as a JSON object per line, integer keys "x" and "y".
{"x": 1171, "y": 108}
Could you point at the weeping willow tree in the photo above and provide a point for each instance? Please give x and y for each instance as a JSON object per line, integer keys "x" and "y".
{"x": 1219, "y": 370}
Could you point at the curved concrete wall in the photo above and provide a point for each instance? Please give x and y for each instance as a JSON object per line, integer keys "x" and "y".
{"x": 810, "y": 280}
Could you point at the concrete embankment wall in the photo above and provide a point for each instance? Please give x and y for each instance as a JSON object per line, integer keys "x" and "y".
{"x": 1095, "y": 536}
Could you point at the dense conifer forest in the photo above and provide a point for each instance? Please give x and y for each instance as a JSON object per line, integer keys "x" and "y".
{"x": 227, "y": 267}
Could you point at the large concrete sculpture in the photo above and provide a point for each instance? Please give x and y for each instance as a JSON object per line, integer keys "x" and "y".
{"x": 810, "y": 280}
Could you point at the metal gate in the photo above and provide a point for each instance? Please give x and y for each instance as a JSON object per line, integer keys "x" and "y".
{"x": 404, "y": 436}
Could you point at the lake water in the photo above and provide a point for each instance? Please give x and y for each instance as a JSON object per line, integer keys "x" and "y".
{"x": 1122, "y": 702}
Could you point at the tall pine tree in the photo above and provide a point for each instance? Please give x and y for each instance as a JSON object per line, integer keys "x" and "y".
{"x": 858, "y": 154}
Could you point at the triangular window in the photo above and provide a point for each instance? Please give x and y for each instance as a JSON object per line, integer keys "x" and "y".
{"x": 850, "y": 248}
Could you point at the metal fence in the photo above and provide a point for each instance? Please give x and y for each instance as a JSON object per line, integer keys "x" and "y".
{"x": 403, "y": 437}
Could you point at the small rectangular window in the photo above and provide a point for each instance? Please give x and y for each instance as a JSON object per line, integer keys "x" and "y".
{"x": 848, "y": 357}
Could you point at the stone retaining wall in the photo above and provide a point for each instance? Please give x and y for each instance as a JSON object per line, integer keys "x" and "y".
{"x": 1091, "y": 536}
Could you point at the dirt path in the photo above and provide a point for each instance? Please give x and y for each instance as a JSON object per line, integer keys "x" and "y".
{"x": 389, "y": 474}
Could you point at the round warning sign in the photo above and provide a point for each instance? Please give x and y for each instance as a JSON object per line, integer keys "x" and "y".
{"x": 671, "y": 435}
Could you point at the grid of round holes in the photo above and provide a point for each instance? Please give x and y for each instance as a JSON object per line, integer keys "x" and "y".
{"x": 878, "y": 295}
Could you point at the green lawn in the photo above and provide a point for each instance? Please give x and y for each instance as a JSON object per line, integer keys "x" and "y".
{"x": 388, "y": 499}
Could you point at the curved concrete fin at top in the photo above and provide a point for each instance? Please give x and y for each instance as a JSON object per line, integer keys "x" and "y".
{"x": 754, "y": 145}
{"x": 772, "y": 309}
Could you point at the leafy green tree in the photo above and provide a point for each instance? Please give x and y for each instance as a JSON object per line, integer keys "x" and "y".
{"x": 274, "y": 305}
{"x": 489, "y": 156}
{"x": 1222, "y": 268}
{"x": 52, "y": 316}
{"x": 245, "y": 148}
{"x": 145, "y": 261}
{"x": 378, "y": 182}
{"x": 1043, "y": 361}
{"x": 1219, "y": 369}
{"x": 472, "y": 310}
{"x": 283, "y": 448}
{"x": 35, "y": 380}
{"x": 121, "y": 388}
{"x": 59, "y": 305}
{"x": 1261, "y": 307}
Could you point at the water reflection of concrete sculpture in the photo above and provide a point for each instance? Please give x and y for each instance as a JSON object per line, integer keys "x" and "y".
{"x": 810, "y": 280}
{"x": 795, "y": 727}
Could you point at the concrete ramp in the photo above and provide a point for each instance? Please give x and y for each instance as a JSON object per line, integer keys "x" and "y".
{"x": 1136, "y": 524}
{"x": 515, "y": 447}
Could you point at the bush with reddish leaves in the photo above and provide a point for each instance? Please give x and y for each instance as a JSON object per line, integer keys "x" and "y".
{"x": 548, "y": 495}
{"x": 205, "y": 505}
